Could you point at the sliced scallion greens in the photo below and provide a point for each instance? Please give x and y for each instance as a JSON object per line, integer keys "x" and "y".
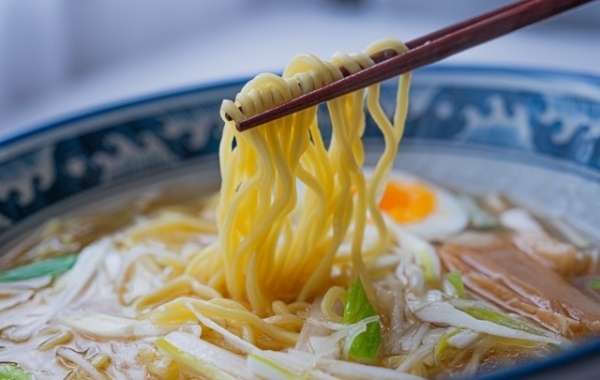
{"x": 500, "y": 319}
{"x": 53, "y": 266}
{"x": 269, "y": 369}
{"x": 478, "y": 218}
{"x": 194, "y": 363}
{"x": 442, "y": 344}
{"x": 594, "y": 284}
{"x": 11, "y": 371}
{"x": 365, "y": 346}
{"x": 455, "y": 280}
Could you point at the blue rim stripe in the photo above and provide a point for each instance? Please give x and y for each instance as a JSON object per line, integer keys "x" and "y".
{"x": 119, "y": 105}
{"x": 438, "y": 68}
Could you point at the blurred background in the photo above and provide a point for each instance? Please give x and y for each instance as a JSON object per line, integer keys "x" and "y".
{"x": 63, "y": 57}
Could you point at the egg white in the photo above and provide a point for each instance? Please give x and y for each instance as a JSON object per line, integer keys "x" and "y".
{"x": 447, "y": 218}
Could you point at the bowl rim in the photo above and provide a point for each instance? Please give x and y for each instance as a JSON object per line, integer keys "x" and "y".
{"x": 587, "y": 351}
{"x": 29, "y": 131}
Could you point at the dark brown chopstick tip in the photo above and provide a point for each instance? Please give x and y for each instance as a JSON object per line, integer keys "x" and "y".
{"x": 423, "y": 51}
{"x": 250, "y": 122}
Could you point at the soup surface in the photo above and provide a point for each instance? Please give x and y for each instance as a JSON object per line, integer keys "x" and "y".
{"x": 468, "y": 284}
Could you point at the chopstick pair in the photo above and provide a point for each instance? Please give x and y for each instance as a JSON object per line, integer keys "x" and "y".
{"x": 422, "y": 51}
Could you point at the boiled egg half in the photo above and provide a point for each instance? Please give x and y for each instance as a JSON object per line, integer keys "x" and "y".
{"x": 422, "y": 207}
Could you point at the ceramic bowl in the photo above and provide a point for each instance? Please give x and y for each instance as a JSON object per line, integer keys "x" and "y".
{"x": 531, "y": 134}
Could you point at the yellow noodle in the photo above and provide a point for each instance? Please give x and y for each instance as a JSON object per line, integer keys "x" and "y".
{"x": 271, "y": 249}
{"x": 277, "y": 246}
{"x": 211, "y": 310}
{"x": 335, "y": 293}
{"x": 183, "y": 285}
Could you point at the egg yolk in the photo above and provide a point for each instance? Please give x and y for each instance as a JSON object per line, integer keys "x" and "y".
{"x": 407, "y": 202}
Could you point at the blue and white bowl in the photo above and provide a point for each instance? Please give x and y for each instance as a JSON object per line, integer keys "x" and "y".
{"x": 533, "y": 135}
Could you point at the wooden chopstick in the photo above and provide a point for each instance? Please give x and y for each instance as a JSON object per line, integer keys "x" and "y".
{"x": 423, "y": 51}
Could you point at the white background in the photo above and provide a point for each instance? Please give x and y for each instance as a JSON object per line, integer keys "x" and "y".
{"x": 63, "y": 57}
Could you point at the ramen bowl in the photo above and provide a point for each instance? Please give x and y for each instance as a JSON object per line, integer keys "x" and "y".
{"x": 532, "y": 135}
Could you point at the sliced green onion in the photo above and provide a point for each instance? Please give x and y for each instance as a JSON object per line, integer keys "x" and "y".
{"x": 269, "y": 369}
{"x": 11, "y": 371}
{"x": 455, "y": 280}
{"x": 501, "y": 319}
{"x": 53, "y": 266}
{"x": 429, "y": 266}
{"x": 194, "y": 363}
{"x": 423, "y": 252}
{"x": 365, "y": 346}
{"x": 478, "y": 218}
{"x": 444, "y": 313}
{"x": 594, "y": 284}
{"x": 442, "y": 344}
